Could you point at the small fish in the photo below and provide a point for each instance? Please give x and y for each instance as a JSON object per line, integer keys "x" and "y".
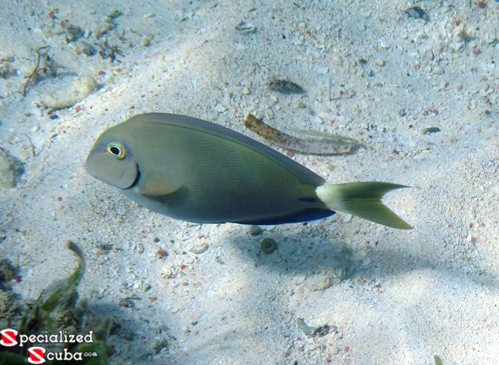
{"x": 314, "y": 143}
{"x": 197, "y": 171}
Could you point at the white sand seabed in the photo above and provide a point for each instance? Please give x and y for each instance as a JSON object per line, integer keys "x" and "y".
{"x": 389, "y": 296}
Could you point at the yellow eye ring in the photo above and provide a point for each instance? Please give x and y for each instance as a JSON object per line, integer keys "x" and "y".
{"x": 117, "y": 150}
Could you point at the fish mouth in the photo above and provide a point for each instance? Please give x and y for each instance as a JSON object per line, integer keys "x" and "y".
{"x": 137, "y": 178}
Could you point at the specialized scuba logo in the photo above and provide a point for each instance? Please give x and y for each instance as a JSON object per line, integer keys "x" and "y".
{"x": 39, "y": 354}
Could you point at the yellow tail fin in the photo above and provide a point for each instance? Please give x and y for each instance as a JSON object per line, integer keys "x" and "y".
{"x": 362, "y": 199}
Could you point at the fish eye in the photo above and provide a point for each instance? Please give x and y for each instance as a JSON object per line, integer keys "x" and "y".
{"x": 117, "y": 150}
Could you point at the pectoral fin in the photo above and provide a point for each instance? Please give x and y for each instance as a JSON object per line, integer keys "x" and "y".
{"x": 169, "y": 199}
{"x": 157, "y": 188}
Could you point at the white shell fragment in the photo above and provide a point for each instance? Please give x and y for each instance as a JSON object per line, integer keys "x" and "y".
{"x": 71, "y": 93}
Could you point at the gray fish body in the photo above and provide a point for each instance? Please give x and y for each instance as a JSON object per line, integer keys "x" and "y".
{"x": 197, "y": 171}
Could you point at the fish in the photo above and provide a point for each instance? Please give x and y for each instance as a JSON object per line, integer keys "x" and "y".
{"x": 197, "y": 171}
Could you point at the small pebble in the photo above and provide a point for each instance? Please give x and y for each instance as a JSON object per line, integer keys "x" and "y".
{"x": 244, "y": 27}
{"x": 104, "y": 249}
{"x": 126, "y": 302}
{"x": 314, "y": 332}
{"x": 166, "y": 273}
{"x": 11, "y": 170}
{"x": 321, "y": 331}
{"x": 7, "y": 271}
{"x": 255, "y": 230}
{"x": 72, "y": 32}
{"x": 417, "y": 13}
{"x": 203, "y": 247}
{"x": 6, "y": 68}
{"x": 86, "y": 48}
{"x": 285, "y": 87}
{"x": 146, "y": 40}
{"x": 431, "y": 130}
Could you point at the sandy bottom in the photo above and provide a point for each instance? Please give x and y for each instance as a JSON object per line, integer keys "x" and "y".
{"x": 206, "y": 294}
